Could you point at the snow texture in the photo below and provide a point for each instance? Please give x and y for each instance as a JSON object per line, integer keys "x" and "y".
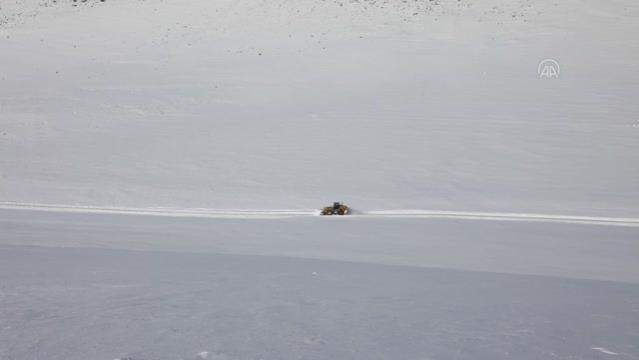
{"x": 161, "y": 162}
{"x": 294, "y": 104}
{"x": 80, "y": 304}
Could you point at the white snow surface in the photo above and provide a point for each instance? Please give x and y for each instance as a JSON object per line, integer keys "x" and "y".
{"x": 293, "y": 104}
{"x": 284, "y": 213}
{"x": 553, "y": 249}
{"x": 161, "y": 163}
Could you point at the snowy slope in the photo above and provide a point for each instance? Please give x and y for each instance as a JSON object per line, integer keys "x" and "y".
{"x": 161, "y": 162}
{"x": 563, "y": 250}
{"x": 291, "y": 104}
{"x": 314, "y": 288}
{"x": 166, "y": 306}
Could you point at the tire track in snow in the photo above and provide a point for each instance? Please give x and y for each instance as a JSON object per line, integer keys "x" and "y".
{"x": 164, "y": 211}
{"x": 498, "y": 216}
{"x": 285, "y": 213}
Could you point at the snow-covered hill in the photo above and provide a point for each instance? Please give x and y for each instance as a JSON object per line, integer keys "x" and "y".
{"x": 161, "y": 162}
{"x": 291, "y": 104}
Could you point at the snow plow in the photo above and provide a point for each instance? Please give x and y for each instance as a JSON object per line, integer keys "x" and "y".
{"x": 337, "y": 209}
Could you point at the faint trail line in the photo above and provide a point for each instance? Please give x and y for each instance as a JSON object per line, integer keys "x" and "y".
{"x": 286, "y": 213}
{"x": 471, "y": 215}
{"x": 164, "y": 211}
{"x": 604, "y": 351}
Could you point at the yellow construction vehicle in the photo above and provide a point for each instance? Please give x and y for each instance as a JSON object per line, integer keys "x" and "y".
{"x": 337, "y": 209}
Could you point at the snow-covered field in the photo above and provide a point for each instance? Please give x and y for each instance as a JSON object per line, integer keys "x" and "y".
{"x": 105, "y": 286}
{"x": 165, "y": 306}
{"x": 161, "y": 163}
{"x": 292, "y": 104}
